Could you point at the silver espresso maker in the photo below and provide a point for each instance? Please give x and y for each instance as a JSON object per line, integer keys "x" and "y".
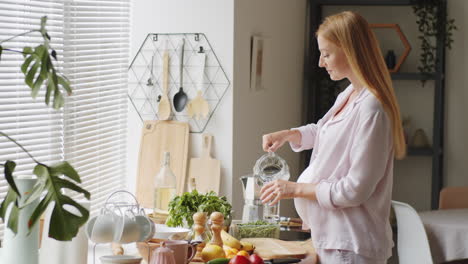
{"x": 253, "y": 208}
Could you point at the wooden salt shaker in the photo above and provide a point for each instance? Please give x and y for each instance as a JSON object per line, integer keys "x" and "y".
{"x": 199, "y": 220}
{"x": 217, "y": 220}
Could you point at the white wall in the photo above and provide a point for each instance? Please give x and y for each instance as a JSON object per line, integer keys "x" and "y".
{"x": 279, "y": 105}
{"x": 456, "y": 112}
{"x": 215, "y": 19}
{"x": 243, "y": 116}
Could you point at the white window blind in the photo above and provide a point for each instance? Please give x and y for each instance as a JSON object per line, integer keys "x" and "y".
{"x": 92, "y": 42}
{"x": 36, "y": 127}
{"x": 96, "y": 49}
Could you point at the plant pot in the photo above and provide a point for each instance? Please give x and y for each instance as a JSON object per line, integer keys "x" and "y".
{"x": 22, "y": 247}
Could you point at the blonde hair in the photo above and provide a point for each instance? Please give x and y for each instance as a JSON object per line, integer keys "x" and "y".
{"x": 351, "y": 32}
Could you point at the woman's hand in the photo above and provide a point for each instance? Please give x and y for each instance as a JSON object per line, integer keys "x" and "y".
{"x": 276, "y": 190}
{"x": 273, "y": 141}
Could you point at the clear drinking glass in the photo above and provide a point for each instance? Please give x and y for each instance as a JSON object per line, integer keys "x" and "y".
{"x": 270, "y": 167}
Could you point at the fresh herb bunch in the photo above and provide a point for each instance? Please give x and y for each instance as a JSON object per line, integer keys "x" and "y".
{"x": 432, "y": 26}
{"x": 184, "y": 206}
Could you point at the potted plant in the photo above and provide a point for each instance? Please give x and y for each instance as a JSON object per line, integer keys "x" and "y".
{"x": 39, "y": 71}
{"x": 432, "y": 24}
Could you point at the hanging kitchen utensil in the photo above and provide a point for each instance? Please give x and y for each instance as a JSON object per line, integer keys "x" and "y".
{"x": 151, "y": 79}
{"x": 199, "y": 107}
{"x": 164, "y": 108}
{"x": 180, "y": 98}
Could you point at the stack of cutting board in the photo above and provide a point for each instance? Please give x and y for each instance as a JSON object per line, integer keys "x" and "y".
{"x": 158, "y": 137}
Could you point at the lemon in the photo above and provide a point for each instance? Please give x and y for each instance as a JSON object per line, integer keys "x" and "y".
{"x": 211, "y": 251}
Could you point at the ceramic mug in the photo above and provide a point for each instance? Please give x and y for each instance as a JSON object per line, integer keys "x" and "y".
{"x": 147, "y": 228}
{"x": 101, "y": 229}
{"x": 183, "y": 250}
{"x": 127, "y": 230}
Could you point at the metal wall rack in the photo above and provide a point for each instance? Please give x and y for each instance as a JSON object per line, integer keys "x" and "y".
{"x": 145, "y": 98}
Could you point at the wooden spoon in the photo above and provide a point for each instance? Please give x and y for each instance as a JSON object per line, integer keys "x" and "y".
{"x": 164, "y": 108}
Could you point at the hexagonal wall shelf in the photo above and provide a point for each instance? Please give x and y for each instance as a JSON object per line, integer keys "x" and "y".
{"x": 145, "y": 76}
{"x": 384, "y": 38}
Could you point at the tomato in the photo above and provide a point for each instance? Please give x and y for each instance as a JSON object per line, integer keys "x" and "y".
{"x": 255, "y": 259}
{"x": 238, "y": 259}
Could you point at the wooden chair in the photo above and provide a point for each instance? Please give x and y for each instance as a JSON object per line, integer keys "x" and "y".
{"x": 453, "y": 198}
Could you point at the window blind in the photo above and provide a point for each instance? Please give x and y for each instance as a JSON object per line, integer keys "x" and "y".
{"x": 92, "y": 42}
{"x": 96, "y": 49}
{"x": 36, "y": 127}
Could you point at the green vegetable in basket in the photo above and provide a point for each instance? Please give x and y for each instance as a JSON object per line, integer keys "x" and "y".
{"x": 258, "y": 229}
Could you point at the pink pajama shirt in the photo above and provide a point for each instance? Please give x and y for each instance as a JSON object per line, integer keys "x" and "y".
{"x": 352, "y": 165}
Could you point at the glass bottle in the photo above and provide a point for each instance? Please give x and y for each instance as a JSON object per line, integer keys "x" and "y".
{"x": 164, "y": 185}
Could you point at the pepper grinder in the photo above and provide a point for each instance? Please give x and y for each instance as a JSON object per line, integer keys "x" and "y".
{"x": 217, "y": 220}
{"x": 199, "y": 220}
{"x": 163, "y": 255}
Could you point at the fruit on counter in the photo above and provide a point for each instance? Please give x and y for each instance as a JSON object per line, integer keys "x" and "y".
{"x": 229, "y": 251}
{"x": 243, "y": 253}
{"x": 211, "y": 252}
{"x": 219, "y": 261}
{"x": 256, "y": 259}
{"x": 230, "y": 240}
{"x": 247, "y": 246}
{"x": 239, "y": 260}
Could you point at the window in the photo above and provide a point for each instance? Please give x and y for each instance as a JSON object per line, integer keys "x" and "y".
{"x": 92, "y": 41}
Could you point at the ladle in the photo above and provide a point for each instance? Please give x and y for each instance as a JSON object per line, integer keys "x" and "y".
{"x": 180, "y": 98}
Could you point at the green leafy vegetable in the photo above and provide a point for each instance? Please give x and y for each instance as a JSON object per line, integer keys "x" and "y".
{"x": 182, "y": 208}
{"x": 257, "y": 229}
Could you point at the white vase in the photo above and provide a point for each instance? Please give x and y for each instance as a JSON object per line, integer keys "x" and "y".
{"x": 22, "y": 248}
{"x": 59, "y": 252}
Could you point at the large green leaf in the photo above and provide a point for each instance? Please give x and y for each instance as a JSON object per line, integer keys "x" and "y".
{"x": 11, "y": 198}
{"x": 64, "y": 225}
{"x": 9, "y": 168}
{"x": 38, "y": 68}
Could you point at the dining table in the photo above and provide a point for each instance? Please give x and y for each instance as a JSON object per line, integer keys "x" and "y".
{"x": 447, "y": 232}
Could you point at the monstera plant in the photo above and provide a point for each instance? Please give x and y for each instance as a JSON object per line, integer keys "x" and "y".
{"x": 39, "y": 71}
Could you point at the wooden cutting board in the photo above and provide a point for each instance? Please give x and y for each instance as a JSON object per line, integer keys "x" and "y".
{"x": 158, "y": 137}
{"x": 205, "y": 170}
{"x": 271, "y": 248}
